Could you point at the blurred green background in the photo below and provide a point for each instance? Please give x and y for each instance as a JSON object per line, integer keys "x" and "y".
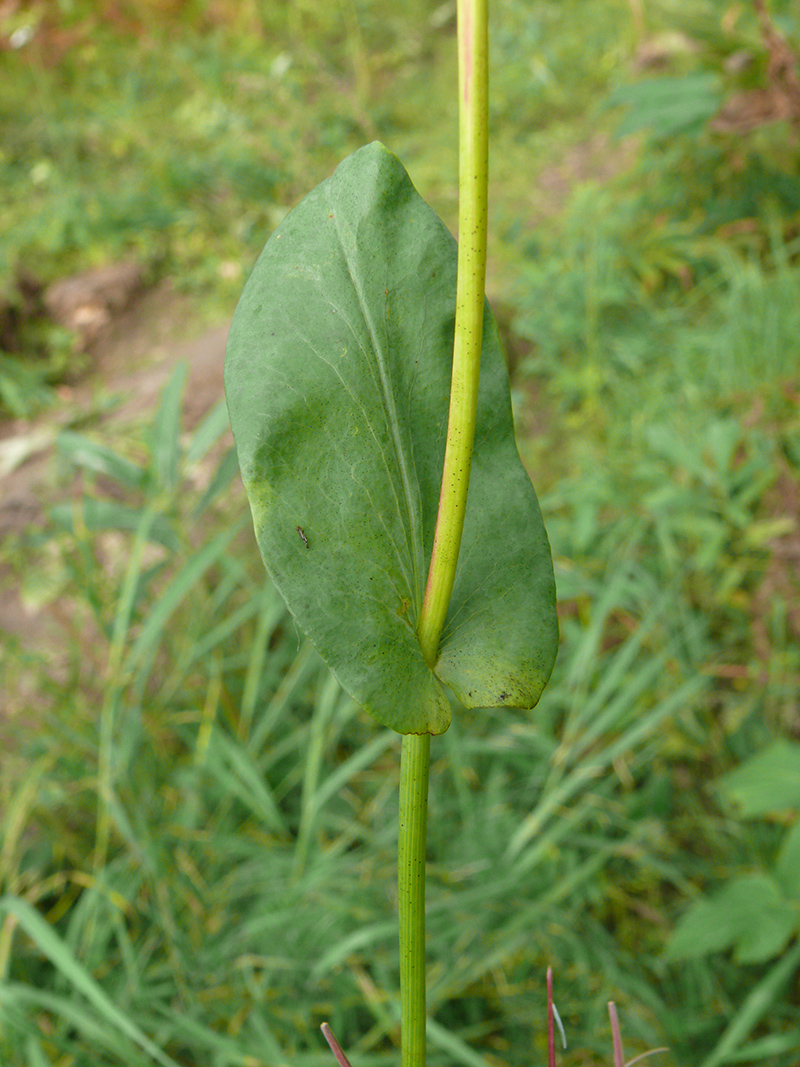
{"x": 198, "y": 827}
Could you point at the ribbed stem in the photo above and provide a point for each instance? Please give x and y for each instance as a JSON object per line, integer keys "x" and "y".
{"x": 473, "y": 80}
{"x": 473, "y": 197}
{"x": 414, "y": 765}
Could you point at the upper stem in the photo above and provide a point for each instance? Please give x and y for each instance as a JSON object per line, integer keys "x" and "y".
{"x": 473, "y": 170}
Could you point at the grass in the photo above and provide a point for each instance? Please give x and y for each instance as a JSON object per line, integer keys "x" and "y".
{"x": 199, "y": 838}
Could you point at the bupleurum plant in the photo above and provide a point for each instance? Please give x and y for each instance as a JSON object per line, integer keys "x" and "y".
{"x": 370, "y": 404}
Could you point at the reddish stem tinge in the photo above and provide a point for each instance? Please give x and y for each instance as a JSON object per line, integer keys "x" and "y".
{"x": 336, "y": 1048}
{"x": 616, "y": 1036}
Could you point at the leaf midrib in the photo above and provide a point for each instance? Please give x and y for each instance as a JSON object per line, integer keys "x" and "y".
{"x": 414, "y": 525}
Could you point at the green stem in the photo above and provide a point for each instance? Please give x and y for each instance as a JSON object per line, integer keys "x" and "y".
{"x": 473, "y": 168}
{"x": 414, "y": 765}
{"x": 473, "y": 196}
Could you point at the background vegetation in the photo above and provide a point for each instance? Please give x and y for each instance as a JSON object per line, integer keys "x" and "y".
{"x": 198, "y": 826}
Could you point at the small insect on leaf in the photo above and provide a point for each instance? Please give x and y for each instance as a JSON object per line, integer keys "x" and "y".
{"x": 303, "y": 537}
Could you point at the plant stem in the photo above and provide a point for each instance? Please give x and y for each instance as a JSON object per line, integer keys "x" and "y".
{"x": 473, "y": 167}
{"x": 473, "y": 195}
{"x": 414, "y": 765}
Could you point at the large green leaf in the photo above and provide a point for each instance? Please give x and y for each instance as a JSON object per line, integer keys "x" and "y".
{"x": 338, "y": 379}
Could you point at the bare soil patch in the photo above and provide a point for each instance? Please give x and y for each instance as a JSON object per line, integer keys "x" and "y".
{"x": 131, "y": 359}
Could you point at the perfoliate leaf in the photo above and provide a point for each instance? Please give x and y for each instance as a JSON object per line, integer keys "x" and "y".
{"x": 338, "y": 379}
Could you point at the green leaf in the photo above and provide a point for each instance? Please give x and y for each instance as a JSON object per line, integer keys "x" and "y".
{"x": 768, "y": 782}
{"x": 772, "y": 919}
{"x": 749, "y": 914}
{"x": 787, "y": 868}
{"x": 338, "y": 381}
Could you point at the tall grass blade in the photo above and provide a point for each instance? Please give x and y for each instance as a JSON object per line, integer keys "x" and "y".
{"x": 165, "y": 446}
{"x": 353, "y": 766}
{"x": 305, "y": 662}
{"x": 100, "y": 459}
{"x": 51, "y": 945}
{"x": 325, "y": 704}
{"x": 213, "y": 426}
{"x": 178, "y": 589}
{"x": 223, "y": 476}
{"x": 234, "y": 768}
{"x": 82, "y": 1027}
{"x": 457, "y": 1050}
{"x": 592, "y": 766}
{"x": 94, "y": 515}
{"x": 348, "y": 946}
{"x": 271, "y": 611}
{"x": 760, "y": 1000}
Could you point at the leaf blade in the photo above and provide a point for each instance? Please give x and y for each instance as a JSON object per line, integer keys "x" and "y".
{"x": 337, "y": 380}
